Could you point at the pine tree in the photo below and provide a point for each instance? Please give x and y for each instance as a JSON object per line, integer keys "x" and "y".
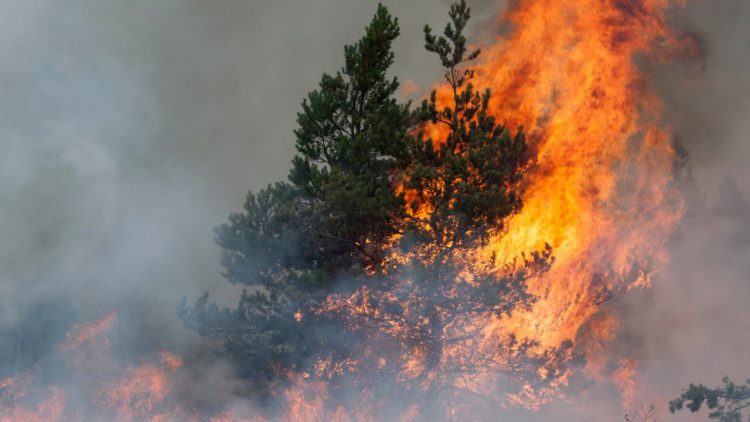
{"x": 725, "y": 403}
{"x": 461, "y": 188}
{"x": 468, "y": 183}
{"x": 327, "y": 224}
{"x": 352, "y": 137}
{"x": 347, "y": 273}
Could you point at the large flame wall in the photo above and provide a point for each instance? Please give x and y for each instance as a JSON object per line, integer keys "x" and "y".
{"x": 599, "y": 188}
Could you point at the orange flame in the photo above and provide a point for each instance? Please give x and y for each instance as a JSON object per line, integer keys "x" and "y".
{"x": 12, "y": 393}
{"x": 599, "y": 191}
{"x": 134, "y": 393}
{"x": 599, "y": 186}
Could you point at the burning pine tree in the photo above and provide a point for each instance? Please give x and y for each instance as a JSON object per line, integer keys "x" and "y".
{"x": 359, "y": 262}
{"x": 407, "y": 268}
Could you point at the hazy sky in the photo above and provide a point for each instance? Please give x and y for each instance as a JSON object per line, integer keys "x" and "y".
{"x": 131, "y": 128}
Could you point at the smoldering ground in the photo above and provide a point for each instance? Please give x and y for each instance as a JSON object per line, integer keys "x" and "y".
{"x": 130, "y": 129}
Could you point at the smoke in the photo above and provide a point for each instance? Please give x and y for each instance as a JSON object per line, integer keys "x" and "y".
{"x": 130, "y": 129}
{"x": 709, "y": 104}
{"x": 690, "y": 327}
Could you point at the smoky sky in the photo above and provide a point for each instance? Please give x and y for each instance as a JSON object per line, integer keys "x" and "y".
{"x": 709, "y": 104}
{"x": 131, "y": 128}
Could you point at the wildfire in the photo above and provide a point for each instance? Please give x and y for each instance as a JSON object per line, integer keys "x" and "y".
{"x": 133, "y": 393}
{"x": 15, "y": 390}
{"x": 598, "y": 188}
{"x": 599, "y": 191}
{"x": 597, "y": 195}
